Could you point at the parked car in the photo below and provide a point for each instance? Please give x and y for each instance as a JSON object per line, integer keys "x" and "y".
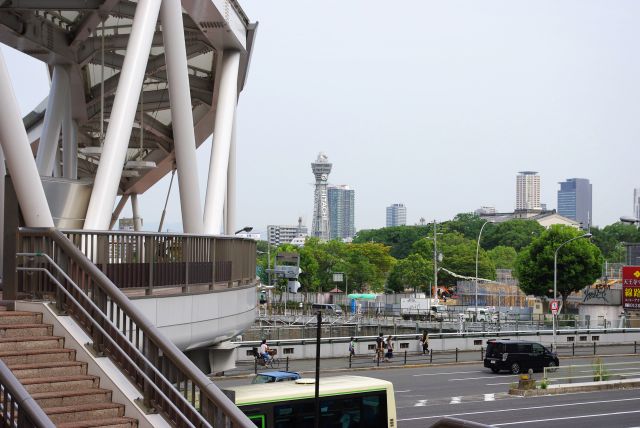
{"x": 275, "y": 376}
{"x": 327, "y": 308}
{"x": 517, "y": 356}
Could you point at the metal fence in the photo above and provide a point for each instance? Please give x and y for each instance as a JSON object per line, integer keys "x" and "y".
{"x": 598, "y": 371}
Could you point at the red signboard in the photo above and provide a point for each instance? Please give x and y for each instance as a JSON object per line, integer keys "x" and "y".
{"x": 631, "y": 287}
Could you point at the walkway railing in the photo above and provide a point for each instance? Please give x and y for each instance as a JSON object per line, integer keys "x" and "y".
{"x": 151, "y": 262}
{"x": 169, "y": 382}
{"x": 17, "y": 408}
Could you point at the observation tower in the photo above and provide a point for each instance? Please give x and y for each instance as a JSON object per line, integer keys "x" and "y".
{"x": 320, "y": 223}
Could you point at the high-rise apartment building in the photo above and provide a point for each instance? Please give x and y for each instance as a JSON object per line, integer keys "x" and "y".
{"x": 320, "y": 220}
{"x": 396, "y": 215}
{"x": 574, "y": 200}
{"x": 528, "y": 191}
{"x": 341, "y": 212}
{"x": 636, "y": 202}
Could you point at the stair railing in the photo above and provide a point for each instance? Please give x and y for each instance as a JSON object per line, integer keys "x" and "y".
{"x": 169, "y": 382}
{"x": 17, "y": 407}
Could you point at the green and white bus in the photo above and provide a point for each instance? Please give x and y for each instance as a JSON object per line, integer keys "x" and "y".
{"x": 345, "y": 402}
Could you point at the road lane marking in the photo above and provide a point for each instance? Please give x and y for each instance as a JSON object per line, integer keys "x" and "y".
{"x": 443, "y": 374}
{"x": 517, "y": 409}
{"x": 501, "y": 383}
{"x": 455, "y": 400}
{"x": 489, "y": 397}
{"x": 407, "y": 390}
{"x": 471, "y": 378}
{"x": 595, "y": 415}
{"x": 420, "y": 403}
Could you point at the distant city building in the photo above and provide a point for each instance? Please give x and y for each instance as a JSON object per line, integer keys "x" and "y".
{"x": 544, "y": 218}
{"x": 320, "y": 220}
{"x": 574, "y": 200}
{"x": 528, "y": 191}
{"x": 485, "y": 210}
{"x": 250, "y": 235}
{"x": 279, "y": 234}
{"x": 125, "y": 224}
{"x": 636, "y": 203}
{"x": 341, "y": 212}
{"x": 396, "y": 215}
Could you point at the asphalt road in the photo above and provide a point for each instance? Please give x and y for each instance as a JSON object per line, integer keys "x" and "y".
{"x": 471, "y": 392}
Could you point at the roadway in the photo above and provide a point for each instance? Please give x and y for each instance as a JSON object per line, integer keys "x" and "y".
{"x": 469, "y": 391}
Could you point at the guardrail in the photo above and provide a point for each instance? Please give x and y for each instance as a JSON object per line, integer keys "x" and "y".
{"x": 17, "y": 408}
{"x": 170, "y": 383}
{"x": 596, "y": 372}
{"x": 154, "y": 261}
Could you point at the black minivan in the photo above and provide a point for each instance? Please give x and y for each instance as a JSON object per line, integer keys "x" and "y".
{"x": 518, "y": 356}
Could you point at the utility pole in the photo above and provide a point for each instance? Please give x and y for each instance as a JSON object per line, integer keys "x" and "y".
{"x": 435, "y": 258}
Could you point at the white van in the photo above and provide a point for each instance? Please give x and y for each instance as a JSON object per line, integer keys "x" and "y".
{"x": 482, "y": 315}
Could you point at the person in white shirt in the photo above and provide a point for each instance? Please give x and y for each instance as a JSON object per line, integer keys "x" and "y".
{"x": 264, "y": 350}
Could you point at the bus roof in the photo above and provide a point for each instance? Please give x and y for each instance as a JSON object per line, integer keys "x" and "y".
{"x": 337, "y": 385}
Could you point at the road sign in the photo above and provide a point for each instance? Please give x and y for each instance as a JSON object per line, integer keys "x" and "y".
{"x": 554, "y": 307}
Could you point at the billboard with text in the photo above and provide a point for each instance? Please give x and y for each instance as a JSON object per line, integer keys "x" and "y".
{"x": 631, "y": 287}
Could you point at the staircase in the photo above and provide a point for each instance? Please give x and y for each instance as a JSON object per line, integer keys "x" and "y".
{"x": 54, "y": 378}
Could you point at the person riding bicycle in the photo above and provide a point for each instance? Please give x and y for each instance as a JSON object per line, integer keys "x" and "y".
{"x": 264, "y": 351}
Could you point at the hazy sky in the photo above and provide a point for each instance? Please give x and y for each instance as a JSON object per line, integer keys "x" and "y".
{"x": 434, "y": 104}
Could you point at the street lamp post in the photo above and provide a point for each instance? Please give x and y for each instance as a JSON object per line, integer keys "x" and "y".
{"x": 555, "y": 279}
{"x": 477, "y": 251}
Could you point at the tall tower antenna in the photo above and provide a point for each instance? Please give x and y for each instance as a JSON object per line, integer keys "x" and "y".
{"x": 320, "y": 224}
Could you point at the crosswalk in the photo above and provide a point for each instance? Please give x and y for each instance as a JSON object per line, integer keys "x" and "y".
{"x": 414, "y": 401}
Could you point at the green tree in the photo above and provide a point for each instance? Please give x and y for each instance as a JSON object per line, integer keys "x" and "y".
{"x": 458, "y": 256}
{"x": 467, "y": 224}
{"x": 579, "y": 263}
{"x": 610, "y": 239}
{"x": 399, "y": 238}
{"x": 517, "y": 233}
{"x": 503, "y": 257}
{"x": 414, "y": 271}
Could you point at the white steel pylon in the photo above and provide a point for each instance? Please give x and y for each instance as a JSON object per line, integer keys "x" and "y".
{"x": 164, "y": 79}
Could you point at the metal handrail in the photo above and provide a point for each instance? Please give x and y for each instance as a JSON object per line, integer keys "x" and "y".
{"x": 18, "y": 408}
{"x": 107, "y": 336}
{"x": 156, "y": 346}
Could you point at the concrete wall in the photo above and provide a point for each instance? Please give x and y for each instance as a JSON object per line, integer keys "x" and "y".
{"x": 338, "y": 346}
{"x": 196, "y": 320}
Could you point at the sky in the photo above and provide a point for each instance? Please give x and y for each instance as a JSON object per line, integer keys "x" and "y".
{"x": 434, "y": 104}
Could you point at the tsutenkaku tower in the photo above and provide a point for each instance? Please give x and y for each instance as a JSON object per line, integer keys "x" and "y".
{"x": 320, "y": 224}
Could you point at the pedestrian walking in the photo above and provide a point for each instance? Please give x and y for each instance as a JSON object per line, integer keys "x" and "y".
{"x": 379, "y": 348}
{"x": 389, "y": 346}
{"x": 352, "y": 347}
{"x": 424, "y": 342}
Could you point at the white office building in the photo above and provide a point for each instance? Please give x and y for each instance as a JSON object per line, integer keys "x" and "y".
{"x": 280, "y": 234}
{"x": 396, "y": 215}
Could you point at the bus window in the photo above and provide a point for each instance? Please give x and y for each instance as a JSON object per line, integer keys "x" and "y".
{"x": 258, "y": 420}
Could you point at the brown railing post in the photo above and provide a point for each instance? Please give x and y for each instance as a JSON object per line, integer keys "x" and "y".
{"x": 186, "y": 256}
{"x": 212, "y": 256}
{"x": 573, "y": 349}
{"x": 149, "y": 257}
{"x": 9, "y": 250}
{"x": 594, "y": 348}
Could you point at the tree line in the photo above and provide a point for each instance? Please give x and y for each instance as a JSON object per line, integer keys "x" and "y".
{"x": 392, "y": 259}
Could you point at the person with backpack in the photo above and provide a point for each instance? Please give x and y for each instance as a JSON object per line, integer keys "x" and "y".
{"x": 352, "y": 347}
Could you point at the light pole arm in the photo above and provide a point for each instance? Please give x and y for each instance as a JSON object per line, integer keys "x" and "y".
{"x": 477, "y": 253}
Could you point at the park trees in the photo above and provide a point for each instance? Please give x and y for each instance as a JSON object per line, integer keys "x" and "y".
{"x": 414, "y": 271}
{"x": 579, "y": 263}
{"x": 503, "y": 257}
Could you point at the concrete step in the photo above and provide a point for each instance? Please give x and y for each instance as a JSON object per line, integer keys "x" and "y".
{"x": 122, "y": 422}
{"x": 55, "y": 368}
{"x": 22, "y": 330}
{"x": 38, "y": 356}
{"x": 60, "y": 383}
{"x": 26, "y": 343}
{"x": 20, "y": 317}
{"x": 72, "y": 397}
{"x": 84, "y": 412}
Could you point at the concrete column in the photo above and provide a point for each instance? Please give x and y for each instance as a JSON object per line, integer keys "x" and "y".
{"x": 15, "y": 144}
{"x": 184, "y": 141}
{"x": 69, "y": 146}
{"x": 59, "y": 100}
{"x": 225, "y": 112}
{"x": 137, "y": 221}
{"x": 230, "y": 203}
{"x": 105, "y": 188}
